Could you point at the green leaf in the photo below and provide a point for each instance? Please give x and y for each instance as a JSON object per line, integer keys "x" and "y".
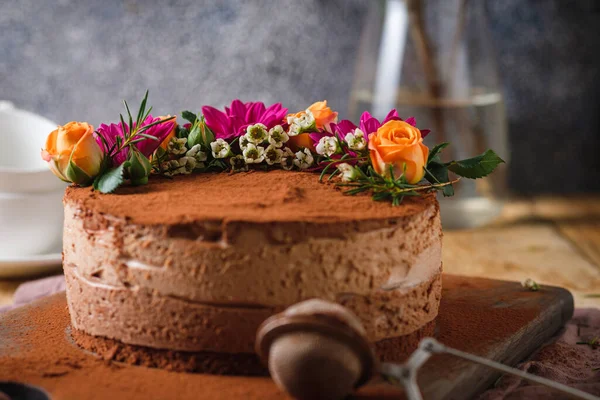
{"x": 148, "y": 136}
{"x": 111, "y": 180}
{"x": 139, "y": 167}
{"x": 208, "y": 136}
{"x": 182, "y": 132}
{"x": 189, "y": 116}
{"x": 438, "y": 173}
{"x": 476, "y": 167}
{"x": 129, "y": 115}
{"x": 195, "y": 136}
{"x": 76, "y": 175}
{"x": 142, "y": 108}
{"x": 433, "y": 153}
{"x": 126, "y": 129}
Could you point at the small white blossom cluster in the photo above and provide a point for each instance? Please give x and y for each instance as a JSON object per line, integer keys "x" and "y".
{"x": 327, "y": 146}
{"x": 330, "y": 145}
{"x": 260, "y": 144}
{"x": 183, "y": 161}
{"x": 303, "y": 123}
{"x": 220, "y": 148}
{"x": 356, "y": 140}
{"x": 530, "y": 284}
{"x": 303, "y": 159}
{"x": 347, "y": 171}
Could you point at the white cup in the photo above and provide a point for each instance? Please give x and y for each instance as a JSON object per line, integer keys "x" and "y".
{"x": 31, "y": 212}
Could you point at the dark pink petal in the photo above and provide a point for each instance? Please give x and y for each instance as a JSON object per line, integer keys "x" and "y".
{"x": 392, "y": 115}
{"x": 344, "y": 127}
{"x": 365, "y": 116}
{"x": 370, "y": 125}
{"x": 238, "y": 109}
{"x": 411, "y": 121}
{"x": 217, "y": 121}
{"x": 274, "y": 115}
{"x": 159, "y": 131}
{"x": 316, "y": 136}
{"x": 238, "y": 126}
{"x": 424, "y": 132}
{"x": 254, "y": 112}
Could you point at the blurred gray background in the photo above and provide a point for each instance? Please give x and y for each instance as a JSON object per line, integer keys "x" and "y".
{"x": 77, "y": 59}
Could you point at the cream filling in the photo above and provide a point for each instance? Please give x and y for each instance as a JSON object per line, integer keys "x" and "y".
{"x": 425, "y": 266}
{"x": 423, "y": 269}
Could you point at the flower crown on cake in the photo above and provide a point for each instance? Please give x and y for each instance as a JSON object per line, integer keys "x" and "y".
{"x": 385, "y": 158}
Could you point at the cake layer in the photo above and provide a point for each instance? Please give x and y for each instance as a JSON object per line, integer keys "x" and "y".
{"x": 395, "y": 349}
{"x": 142, "y": 317}
{"x": 253, "y": 263}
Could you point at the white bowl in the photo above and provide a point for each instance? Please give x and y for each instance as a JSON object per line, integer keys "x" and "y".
{"x": 31, "y": 210}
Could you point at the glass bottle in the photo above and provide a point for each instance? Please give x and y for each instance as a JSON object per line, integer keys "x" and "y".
{"x": 434, "y": 60}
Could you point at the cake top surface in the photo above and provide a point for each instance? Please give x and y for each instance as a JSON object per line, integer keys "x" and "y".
{"x": 247, "y": 196}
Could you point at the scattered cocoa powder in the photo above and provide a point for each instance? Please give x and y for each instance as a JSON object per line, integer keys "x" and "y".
{"x": 35, "y": 348}
{"x": 468, "y": 323}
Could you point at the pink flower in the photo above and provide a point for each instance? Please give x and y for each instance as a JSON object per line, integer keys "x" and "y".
{"x": 146, "y": 146}
{"x": 236, "y": 118}
{"x": 370, "y": 124}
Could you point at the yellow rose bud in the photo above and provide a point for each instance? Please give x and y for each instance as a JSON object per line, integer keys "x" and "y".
{"x": 323, "y": 114}
{"x": 73, "y": 153}
{"x": 400, "y": 145}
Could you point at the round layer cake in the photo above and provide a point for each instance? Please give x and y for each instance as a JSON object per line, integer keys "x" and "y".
{"x": 195, "y": 264}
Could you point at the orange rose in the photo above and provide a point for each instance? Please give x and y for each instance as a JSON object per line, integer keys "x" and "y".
{"x": 323, "y": 114}
{"x": 171, "y": 134}
{"x": 399, "y": 144}
{"x": 73, "y": 154}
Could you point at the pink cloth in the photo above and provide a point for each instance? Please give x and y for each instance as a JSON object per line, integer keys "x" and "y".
{"x": 33, "y": 290}
{"x": 563, "y": 360}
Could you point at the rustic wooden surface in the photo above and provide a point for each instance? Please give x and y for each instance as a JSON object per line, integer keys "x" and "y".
{"x": 482, "y": 329}
{"x": 555, "y": 241}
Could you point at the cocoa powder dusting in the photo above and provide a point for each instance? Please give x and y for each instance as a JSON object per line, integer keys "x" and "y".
{"x": 251, "y": 196}
{"x": 473, "y": 315}
{"x": 35, "y": 348}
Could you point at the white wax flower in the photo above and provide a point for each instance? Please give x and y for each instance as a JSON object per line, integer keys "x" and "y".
{"x": 243, "y": 142}
{"x": 273, "y": 155}
{"x": 327, "y": 146}
{"x": 196, "y": 153}
{"x": 176, "y": 146}
{"x": 287, "y": 159}
{"x": 256, "y": 133}
{"x": 238, "y": 163}
{"x": 348, "y": 172}
{"x": 294, "y": 130}
{"x": 253, "y": 154}
{"x": 220, "y": 148}
{"x": 304, "y": 159}
{"x": 307, "y": 120}
{"x": 175, "y": 167}
{"x": 356, "y": 140}
{"x": 277, "y": 136}
{"x": 304, "y": 123}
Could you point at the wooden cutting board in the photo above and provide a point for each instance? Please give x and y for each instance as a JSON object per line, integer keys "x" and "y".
{"x": 494, "y": 319}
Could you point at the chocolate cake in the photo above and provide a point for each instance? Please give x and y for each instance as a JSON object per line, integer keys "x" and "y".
{"x": 188, "y": 268}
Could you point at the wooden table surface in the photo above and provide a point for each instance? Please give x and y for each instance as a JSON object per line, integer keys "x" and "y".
{"x": 550, "y": 240}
